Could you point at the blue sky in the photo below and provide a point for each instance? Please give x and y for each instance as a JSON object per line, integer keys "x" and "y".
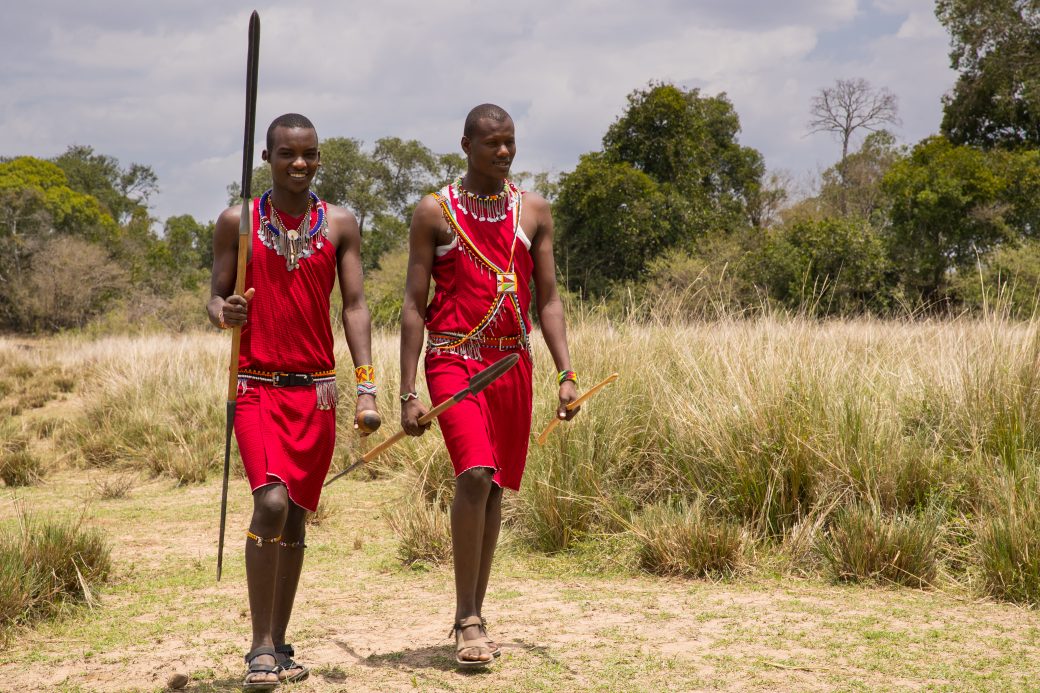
{"x": 161, "y": 83}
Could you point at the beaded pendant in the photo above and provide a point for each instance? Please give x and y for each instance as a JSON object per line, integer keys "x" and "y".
{"x": 292, "y": 244}
{"x": 483, "y": 207}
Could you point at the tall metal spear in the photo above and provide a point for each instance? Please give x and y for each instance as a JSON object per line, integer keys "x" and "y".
{"x": 245, "y": 226}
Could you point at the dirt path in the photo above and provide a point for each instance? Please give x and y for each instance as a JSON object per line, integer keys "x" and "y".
{"x": 366, "y": 623}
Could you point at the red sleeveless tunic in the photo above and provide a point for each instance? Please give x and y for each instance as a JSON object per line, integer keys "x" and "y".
{"x": 283, "y": 435}
{"x": 471, "y": 325}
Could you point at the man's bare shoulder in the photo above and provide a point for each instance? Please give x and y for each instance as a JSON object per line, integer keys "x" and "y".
{"x": 342, "y": 218}
{"x": 428, "y": 209}
{"x": 535, "y": 202}
{"x": 228, "y": 220}
{"x": 428, "y": 215}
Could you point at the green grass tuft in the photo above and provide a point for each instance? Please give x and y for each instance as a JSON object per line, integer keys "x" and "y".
{"x": 423, "y": 531}
{"x": 46, "y": 564}
{"x": 864, "y": 545}
{"x": 687, "y": 541}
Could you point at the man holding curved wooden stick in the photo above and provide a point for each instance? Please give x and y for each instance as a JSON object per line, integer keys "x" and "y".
{"x": 482, "y": 241}
{"x": 285, "y": 421}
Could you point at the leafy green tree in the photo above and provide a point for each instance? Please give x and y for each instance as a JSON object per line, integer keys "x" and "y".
{"x": 853, "y": 188}
{"x": 670, "y": 172}
{"x": 948, "y": 207}
{"x": 687, "y": 143}
{"x": 351, "y": 178}
{"x": 259, "y": 181}
{"x": 1008, "y": 277}
{"x": 612, "y": 220}
{"x": 996, "y": 50}
{"x": 408, "y": 170}
{"x": 36, "y": 187}
{"x": 449, "y": 167}
{"x": 833, "y": 265}
{"x": 122, "y": 192}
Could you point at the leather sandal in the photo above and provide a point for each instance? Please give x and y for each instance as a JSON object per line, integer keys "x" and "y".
{"x": 496, "y": 649}
{"x": 461, "y": 644}
{"x": 289, "y": 670}
{"x": 253, "y": 668}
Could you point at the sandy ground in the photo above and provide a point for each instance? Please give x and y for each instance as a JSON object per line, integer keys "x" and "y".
{"x": 364, "y": 622}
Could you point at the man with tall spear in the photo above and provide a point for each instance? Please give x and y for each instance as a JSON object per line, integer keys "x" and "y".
{"x": 284, "y": 418}
{"x": 482, "y": 241}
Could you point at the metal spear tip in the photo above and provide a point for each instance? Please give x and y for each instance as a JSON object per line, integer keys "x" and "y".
{"x": 484, "y": 378}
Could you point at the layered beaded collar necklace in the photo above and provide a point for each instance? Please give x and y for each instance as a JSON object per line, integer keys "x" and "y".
{"x": 292, "y": 244}
{"x": 483, "y": 207}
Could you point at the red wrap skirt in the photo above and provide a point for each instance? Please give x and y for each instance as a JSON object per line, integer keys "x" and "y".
{"x": 284, "y": 438}
{"x": 491, "y": 429}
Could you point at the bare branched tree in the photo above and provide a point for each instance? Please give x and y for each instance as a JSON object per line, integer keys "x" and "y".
{"x": 848, "y": 106}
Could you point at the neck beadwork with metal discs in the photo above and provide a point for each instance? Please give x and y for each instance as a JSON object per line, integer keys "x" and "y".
{"x": 484, "y": 207}
{"x": 292, "y": 244}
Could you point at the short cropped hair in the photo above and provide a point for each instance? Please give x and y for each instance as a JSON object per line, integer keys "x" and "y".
{"x": 484, "y": 110}
{"x": 289, "y": 120}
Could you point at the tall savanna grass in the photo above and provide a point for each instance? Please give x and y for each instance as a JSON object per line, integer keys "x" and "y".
{"x": 837, "y": 446}
{"x": 791, "y": 427}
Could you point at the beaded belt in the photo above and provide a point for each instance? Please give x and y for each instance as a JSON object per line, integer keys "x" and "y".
{"x": 469, "y": 347}
{"x": 324, "y": 383}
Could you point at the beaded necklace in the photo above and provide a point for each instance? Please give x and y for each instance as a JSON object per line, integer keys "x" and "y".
{"x": 483, "y": 207}
{"x": 292, "y": 244}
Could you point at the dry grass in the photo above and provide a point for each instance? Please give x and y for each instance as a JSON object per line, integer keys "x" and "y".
{"x": 864, "y": 545}
{"x": 687, "y": 541}
{"x": 114, "y": 486}
{"x": 423, "y": 531}
{"x": 46, "y": 564}
{"x": 782, "y": 426}
{"x": 19, "y": 465}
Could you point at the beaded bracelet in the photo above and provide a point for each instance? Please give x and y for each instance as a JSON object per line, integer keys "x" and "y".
{"x": 567, "y": 375}
{"x": 409, "y": 395}
{"x": 366, "y": 380}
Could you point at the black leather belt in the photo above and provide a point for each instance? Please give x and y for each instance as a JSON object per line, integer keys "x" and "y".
{"x": 291, "y": 379}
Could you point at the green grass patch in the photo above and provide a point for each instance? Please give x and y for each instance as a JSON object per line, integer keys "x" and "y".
{"x": 46, "y": 565}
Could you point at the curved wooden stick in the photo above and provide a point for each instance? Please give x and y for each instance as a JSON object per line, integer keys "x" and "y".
{"x": 544, "y": 435}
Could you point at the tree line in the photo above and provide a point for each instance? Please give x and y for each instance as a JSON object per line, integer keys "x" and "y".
{"x": 672, "y": 210}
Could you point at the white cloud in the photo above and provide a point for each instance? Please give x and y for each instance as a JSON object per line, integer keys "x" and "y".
{"x": 162, "y": 83}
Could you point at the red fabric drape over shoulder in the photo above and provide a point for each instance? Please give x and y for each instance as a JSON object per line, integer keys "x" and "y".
{"x": 493, "y": 428}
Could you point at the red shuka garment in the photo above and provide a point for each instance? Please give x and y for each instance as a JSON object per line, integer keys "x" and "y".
{"x": 471, "y": 326}
{"x": 282, "y": 434}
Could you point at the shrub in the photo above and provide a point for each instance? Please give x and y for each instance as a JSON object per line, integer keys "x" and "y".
{"x": 20, "y": 468}
{"x": 864, "y": 545}
{"x": 1008, "y": 542}
{"x": 423, "y": 530}
{"x": 687, "y": 541}
{"x": 45, "y": 564}
{"x": 18, "y": 465}
{"x": 114, "y": 487}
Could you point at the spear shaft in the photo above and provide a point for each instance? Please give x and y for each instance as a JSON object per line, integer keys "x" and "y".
{"x": 245, "y": 225}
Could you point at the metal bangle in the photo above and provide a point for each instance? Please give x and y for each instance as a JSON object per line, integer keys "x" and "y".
{"x": 409, "y": 395}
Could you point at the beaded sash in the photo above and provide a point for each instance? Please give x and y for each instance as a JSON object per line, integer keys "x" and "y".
{"x": 468, "y": 345}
